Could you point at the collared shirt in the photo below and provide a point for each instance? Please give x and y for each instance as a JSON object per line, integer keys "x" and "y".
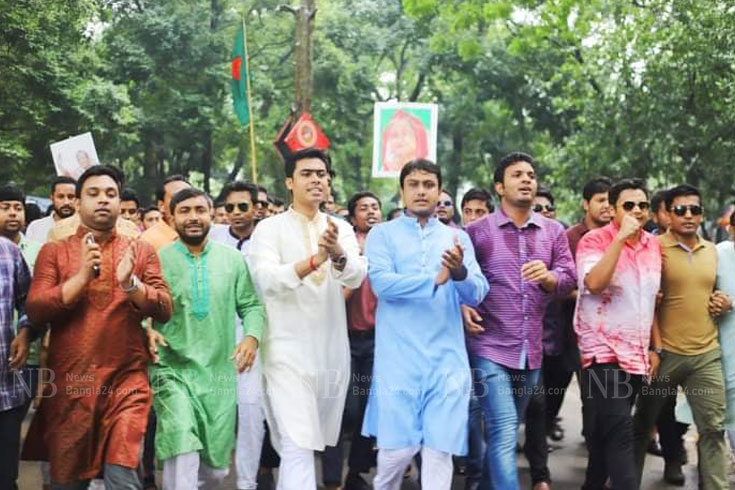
{"x": 30, "y": 250}
{"x": 223, "y": 234}
{"x": 615, "y": 325}
{"x": 15, "y": 279}
{"x": 575, "y": 234}
{"x": 513, "y": 310}
{"x": 688, "y": 278}
{"x": 361, "y": 305}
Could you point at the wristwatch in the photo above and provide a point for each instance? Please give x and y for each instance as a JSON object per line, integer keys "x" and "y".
{"x": 134, "y": 284}
{"x": 340, "y": 261}
{"x": 658, "y": 351}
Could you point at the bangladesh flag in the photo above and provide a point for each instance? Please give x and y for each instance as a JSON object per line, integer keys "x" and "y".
{"x": 239, "y": 78}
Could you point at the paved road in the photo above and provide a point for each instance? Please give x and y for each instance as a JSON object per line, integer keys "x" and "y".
{"x": 567, "y": 462}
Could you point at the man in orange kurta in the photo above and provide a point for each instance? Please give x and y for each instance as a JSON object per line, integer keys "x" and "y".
{"x": 93, "y": 415}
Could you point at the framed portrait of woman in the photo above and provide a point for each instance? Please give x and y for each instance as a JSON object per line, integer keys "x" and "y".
{"x": 402, "y": 132}
{"x": 74, "y": 155}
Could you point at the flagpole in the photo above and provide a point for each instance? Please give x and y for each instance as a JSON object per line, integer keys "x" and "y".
{"x": 253, "y": 162}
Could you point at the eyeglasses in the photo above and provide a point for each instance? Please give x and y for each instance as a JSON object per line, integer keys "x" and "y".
{"x": 446, "y": 204}
{"x": 550, "y": 208}
{"x": 681, "y": 209}
{"x": 261, "y": 204}
{"x": 242, "y": 206}
{"x": 643, "y": 205}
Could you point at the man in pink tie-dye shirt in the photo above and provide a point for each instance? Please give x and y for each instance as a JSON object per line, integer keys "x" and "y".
{"x": 619, "y": 271}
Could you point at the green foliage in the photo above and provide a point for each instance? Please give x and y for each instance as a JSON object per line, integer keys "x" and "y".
{"x": 616, "y": 87}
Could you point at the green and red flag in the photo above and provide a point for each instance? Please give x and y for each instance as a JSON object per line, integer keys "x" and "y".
{"x": 240, "y": 99}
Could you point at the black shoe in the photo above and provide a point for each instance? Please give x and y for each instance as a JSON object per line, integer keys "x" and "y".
{"x": 556, "y": 432}
{"x": 355, "y": 482}
{"x": 655, "y": 448}
{"x": 673, "y": 474}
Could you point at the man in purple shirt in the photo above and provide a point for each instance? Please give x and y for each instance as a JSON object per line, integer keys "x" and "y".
{"x": 526, "y": 259}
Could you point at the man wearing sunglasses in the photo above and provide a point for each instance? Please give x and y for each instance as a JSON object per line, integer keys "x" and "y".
{"x": 239, "y": 204}
{"x": 445, "y": 209}
{"x": 544, "y": 203}
{"x": 619, "y": 271}
{"x": 691, "y": 354}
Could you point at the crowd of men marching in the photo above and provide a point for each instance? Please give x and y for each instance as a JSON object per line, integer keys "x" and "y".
{"x": 190, "y": 331}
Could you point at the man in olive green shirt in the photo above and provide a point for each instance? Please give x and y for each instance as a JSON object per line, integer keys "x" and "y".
{"x": 195, "y": 378}
{"x": 688, "y": 345}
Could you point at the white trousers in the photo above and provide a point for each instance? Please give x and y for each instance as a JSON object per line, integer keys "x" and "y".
{"x": 186, "y": 472}
{"x": 296, "y": 471}
{"x": 436, "y": 468}
{"x": 250, "y": 427}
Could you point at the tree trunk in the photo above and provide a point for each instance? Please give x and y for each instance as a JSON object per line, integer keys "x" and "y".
{"x": 304, "y": 29}
{"x": 207, "y": 158}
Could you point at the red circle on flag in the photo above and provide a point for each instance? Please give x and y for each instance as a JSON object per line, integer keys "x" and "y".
{"x": 236, "y": 66}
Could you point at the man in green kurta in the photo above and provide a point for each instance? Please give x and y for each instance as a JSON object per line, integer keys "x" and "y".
{"x": 195, "y": 375}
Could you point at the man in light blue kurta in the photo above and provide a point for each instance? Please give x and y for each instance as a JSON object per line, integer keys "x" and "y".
{"x": 421, "y": 379}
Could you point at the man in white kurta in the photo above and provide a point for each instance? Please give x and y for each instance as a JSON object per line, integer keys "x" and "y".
{"x": 305, "y": 357}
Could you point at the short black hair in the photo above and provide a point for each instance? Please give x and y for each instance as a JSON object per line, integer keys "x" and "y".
{"x": 623, "y": 185}
{"x": 62, "y": 180}
{"x": 598, "y": 185}
{"x": 241, "y": 186}
{"x": 657, "y": 200}
{"x": 732, "y": 219}
{"x": 161, "y": 190}
{"x": 507, "y": 161}
{"x": 276, "y": 201}
{"x": 261, "y": 188}
{"x": 11, "y": 192}
{"x": 421, "y": 164}
{"x": 477, "y": 194}
{"x": 545, "y": 192}
{"x": 444, "y": 191}
{"x": 290, "y": 163}
{"x": 394, "y": 213}
{"x": 129, "y": 194}
{"x": 679, "y": 191}
{"x": 185, "y": 194}
{"x": 352, "y": 203}
{"x": 97, "y": 171}
{"x": 148, "y": 210}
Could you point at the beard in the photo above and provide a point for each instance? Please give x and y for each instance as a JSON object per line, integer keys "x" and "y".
{"x": 64, "y": 211}
{"x": 193, "y": 239}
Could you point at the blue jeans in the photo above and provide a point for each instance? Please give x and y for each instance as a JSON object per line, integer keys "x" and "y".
{"x": 503, "y": 394}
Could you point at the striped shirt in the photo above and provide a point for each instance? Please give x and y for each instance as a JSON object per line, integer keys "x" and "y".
{"x": 615, "y": 325}
{"x": 513, "y": 310}
{"x": 15, "y": 280}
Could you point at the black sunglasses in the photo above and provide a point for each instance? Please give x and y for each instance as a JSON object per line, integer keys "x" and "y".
{"x": 550, "y": 208}
{"x": 643, "y": 205}
{"x": 681, "y": 209}
{"x": 242, "y": 206}
{"x": 446, "y": 204}
{"x": 261, "y": 204}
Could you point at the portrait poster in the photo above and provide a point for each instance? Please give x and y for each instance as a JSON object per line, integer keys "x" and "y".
{"x": 401, "y": 133}
{"x": 74, "y": 155}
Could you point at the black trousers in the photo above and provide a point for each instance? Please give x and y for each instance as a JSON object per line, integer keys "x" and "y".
{"x": 536, "y": 448}
{"x": 362, "y": 455}
{"x": 671, "y": 433}
{"x": 557, "y": 374}
{"x": 149, "y": 449}
{"x": 610, "y": 394}
{"x": 10, "y": 424}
